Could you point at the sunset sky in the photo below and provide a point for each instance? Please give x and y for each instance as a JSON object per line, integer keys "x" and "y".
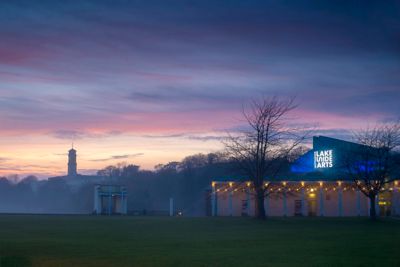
{"x": 149, "y": 82}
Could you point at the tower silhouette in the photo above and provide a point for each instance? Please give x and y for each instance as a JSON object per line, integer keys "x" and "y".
{"x": 72, "y": 166}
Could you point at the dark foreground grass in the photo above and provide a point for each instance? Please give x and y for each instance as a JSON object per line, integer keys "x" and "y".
{"x": 28, "y": 240}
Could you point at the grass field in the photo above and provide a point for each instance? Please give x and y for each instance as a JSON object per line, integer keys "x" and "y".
{"x": 29, "y": 240}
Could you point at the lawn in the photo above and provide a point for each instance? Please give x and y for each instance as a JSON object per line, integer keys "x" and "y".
{"x": 39, "y": 240}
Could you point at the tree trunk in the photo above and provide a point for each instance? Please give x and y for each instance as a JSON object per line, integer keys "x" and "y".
{"x": 372, "y": 208}
{"x": 260, "y": 210}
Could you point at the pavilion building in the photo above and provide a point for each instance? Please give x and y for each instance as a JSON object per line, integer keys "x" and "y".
{"x": 315, "y": 185}
{"x": 110, "y": 199}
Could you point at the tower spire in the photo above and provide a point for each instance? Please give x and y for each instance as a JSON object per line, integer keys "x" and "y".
{"x": 72, "y": 166}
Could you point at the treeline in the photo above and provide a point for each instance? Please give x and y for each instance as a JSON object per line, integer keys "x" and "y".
{"x": 31, "y": 195}
{"x": 148, "y": 191}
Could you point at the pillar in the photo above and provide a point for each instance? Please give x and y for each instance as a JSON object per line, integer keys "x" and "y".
{"x": 125, "y": 210}
{"x": 248, "y": 200}
{"x": 358, "y": 200}
{"x": 369, "y": 206}
{"x": 171, "y": 206}
{"x": 96, "y": 200}
{"x": 303, "y": 202}
{"x": 395, "y": 200}
{"x": 230, "y": 202}
{"x": 109, "y": 200}
{"x": 340, "y": 201}
{"x": 284, "y": 203}
{"x": 377, "y": 205}
{"x": 266, "y": 204}
{"x": 213, "y": 200}
{"x": 122, "y": 203}
{"x": 321, "y": 202}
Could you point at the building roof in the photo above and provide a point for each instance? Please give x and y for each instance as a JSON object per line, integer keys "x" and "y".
{"x": 305, "y": 168}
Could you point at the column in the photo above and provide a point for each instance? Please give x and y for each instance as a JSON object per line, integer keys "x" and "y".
{"x": 369, "y": 206}
{"x": 340, "y": 201}
{"x": 248, "y": 200}
{"x": 213, "y": 200}
{"x": 377, "y": 205}
{"x": 122, "y": 202}
{"x": 171, "y": 207}
{"x": 284, "y": 203}
{"x": 109, "y": 200}
{"x": 321, "y": 202}
{"x": 125, "y": 203}
{"x": 230, "y": 201}
{"x": 303, "y": 202}
{"x": 395, "y": 201}
{"x": 266, "y": 204}
{"x": 358, "y": 202}
{"x": 96, "y": 200}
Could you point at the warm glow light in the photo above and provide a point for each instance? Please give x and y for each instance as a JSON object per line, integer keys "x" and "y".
{"x": 213, "y": 184}
{"x": 321, "y": 184}
{"x": 230, "y": 184}
{"x": 311, "y": 195}
{"x": 302, "y": 184}
{"x": 339, "y": 183}
{"x": 284, "y": 183}
{"x": 248, "y": 184}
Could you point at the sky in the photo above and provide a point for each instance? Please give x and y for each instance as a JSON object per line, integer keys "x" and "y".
{"x": 149, "y": 82}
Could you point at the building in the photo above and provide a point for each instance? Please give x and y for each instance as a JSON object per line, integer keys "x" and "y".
{"x": 76, "y": 180}
{"x": 315, "y": 185}
{"x": 72, "y": 166}
{"x": 110, "y": 199}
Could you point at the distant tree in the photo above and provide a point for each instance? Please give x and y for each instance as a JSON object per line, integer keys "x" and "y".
{"x": 130, "y": 170}
{"x": 263, "y": 148}
{"x": 376, "y": 162}
{"x": 110, "y": 171}
{"x": 169, "y": 167}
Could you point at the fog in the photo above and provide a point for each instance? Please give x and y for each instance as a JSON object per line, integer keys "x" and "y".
{"x": 187, "y": 182}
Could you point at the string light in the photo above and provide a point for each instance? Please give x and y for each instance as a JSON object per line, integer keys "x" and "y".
{"x": 310, "y": 188}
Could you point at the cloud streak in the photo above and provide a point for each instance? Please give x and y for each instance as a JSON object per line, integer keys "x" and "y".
{"x": 118, "y": 157}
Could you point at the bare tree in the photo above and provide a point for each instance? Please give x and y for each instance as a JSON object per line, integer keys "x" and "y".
{"x": 376, "y": 162}
{"x": 262, "y": 149}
